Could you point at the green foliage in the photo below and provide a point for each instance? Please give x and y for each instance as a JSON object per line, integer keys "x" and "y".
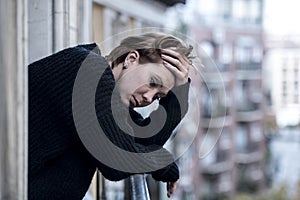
{"x": 279, "y": 194}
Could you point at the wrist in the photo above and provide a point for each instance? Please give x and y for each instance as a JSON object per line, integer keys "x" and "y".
{"x": 182, "y": 82}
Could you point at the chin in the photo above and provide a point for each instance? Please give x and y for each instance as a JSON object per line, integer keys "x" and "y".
{"x": 126, "y": 103}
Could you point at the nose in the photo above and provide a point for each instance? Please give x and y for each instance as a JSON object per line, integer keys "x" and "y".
{"x": 148, "y": 96}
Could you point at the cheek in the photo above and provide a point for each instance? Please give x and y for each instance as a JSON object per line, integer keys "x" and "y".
{"x": 130, "y": 82}
{"x": 142, "y": 89}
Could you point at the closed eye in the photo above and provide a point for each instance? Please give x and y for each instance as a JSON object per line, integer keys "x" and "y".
{"x": 154, "y": 82}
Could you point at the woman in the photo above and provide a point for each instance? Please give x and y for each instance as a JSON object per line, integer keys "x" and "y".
{"x": 140, "y": 70}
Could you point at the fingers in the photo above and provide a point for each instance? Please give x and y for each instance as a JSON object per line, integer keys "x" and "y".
{"x": 178, "y": 64}
{"x": 173, "y": 62}
{"x": 177, "y": 70}
{"x": 176, "y": 59}
{"x": 171, "y": 186}
{"x": 183, "y": 59}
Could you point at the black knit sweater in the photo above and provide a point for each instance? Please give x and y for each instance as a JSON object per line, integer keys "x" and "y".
{"x": 60, "y": 166}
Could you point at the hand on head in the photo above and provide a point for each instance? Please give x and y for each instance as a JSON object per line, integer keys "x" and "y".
{"x": 178, "y": 64}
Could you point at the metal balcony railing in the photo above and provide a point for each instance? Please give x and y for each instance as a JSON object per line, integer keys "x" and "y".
{"x": 136, "y": 188}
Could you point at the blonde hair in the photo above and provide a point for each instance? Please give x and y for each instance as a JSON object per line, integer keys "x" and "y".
{"x": 149, "y": 46}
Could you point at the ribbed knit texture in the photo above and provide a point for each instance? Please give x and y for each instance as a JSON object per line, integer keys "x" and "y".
{"x": 60, "y": 167}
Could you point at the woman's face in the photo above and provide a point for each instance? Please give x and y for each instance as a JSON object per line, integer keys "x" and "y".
{"x": 141, "y": 84}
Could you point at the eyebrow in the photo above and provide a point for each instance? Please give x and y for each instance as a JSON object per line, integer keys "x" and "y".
{"x": 158, "y": 80}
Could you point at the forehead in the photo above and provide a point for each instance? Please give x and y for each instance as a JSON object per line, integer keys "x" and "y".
{"x": 158, "y": 70}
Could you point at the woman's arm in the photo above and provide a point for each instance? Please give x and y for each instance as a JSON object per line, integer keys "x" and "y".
{"x": 172, "y": 109}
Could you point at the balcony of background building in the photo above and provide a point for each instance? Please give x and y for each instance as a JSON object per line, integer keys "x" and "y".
{"x": 249, "y": 156}
{"x": 217, "y": 162}
{"x": 217, "y": 186}
{"x": 216, "y": 150}
{"x": 249, "y": 177}
{"x": 248, "y": 95}
{"x": 215, "y": 101}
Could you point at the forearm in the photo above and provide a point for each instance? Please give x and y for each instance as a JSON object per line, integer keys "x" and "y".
{"x": 158, "y": 127}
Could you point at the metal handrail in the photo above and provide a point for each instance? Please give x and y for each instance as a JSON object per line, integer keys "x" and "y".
{"x": 136, "y": 188}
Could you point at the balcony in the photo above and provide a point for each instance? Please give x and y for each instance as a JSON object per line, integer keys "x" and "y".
{"x": 217, "y": 168}
{"x": 212, "y": 67}
{"x": 217, "y": 122}
{"x": 217, "y": 187}
{"x": 248, "y": 66}
{"x": 253, "y": 153}
{"x": 247, "y": 158}
{"x": 248, "y": 75}
{"x": 215, "y": 111}
{"x": 249, "y": 116}
{"x": 218, "y": 78}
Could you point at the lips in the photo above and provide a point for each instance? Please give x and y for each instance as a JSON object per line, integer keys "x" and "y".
{"x": 134, "y": 102}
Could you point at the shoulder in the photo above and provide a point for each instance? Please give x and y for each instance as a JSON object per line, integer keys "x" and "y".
{"x": 75, "y": 53}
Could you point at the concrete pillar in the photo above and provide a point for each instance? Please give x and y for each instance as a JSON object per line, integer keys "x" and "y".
{"x": 85, "y": 34}
{"x": 60, "y": 24}
{"x": 40, "y": 29}
{"x": 13, "y": 149}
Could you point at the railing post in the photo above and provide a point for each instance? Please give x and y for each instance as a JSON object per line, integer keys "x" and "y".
{"x": 136, "y": 188}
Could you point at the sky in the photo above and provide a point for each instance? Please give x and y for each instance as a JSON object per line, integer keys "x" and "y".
{"x": 282, "y": 16}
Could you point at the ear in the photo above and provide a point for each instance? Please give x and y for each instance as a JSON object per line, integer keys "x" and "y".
{"x": 132, "y": 57}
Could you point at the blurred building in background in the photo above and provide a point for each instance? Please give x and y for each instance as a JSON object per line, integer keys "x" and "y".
{"x": 281, "y": 69}
{"x": 232, "y": 141}
{"x": 283, "y": 60}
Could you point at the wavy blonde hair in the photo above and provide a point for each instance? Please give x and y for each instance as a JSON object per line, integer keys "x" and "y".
{"x": 149, "y": 46}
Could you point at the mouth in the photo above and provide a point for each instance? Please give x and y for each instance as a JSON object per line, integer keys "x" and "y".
{"x": 134, "y": 102}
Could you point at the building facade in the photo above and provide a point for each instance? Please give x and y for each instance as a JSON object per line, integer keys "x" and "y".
{"x": 282, "y": 58}
{"x": 34, "y": 29}
{"x": 231, "y": 144}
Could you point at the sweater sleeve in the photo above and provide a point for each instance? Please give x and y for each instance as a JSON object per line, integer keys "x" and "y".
{"x": 161, "y": 122}
{"x": 151, "y": 156}
{"x": 175, "y": 105}
{"x": 120, "y": 155}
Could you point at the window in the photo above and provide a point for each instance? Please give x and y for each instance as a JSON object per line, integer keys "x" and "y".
{"x": 284, "y": 87}
{"x": 243, "y": 54}
{"x": 208, "y": 149}
{"x": 284, "y": 73}
{"x": 241, "y": 138}
{"x": 225, "y": 182}
{"x": 256, "y": 132}
{"x": 257, "y": 54}
{"x": 255, "y": 11}
{"x": 226, "y": 53}
{"x": 225, "y": 139}
{"x": 296, "y": 74}
{"x": 239, "y": 10}
{"x": 296, "y": 98}
{"x": 226, "y": 9}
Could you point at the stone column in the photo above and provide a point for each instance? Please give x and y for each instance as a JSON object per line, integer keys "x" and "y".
{"x": 13, "y": 140}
